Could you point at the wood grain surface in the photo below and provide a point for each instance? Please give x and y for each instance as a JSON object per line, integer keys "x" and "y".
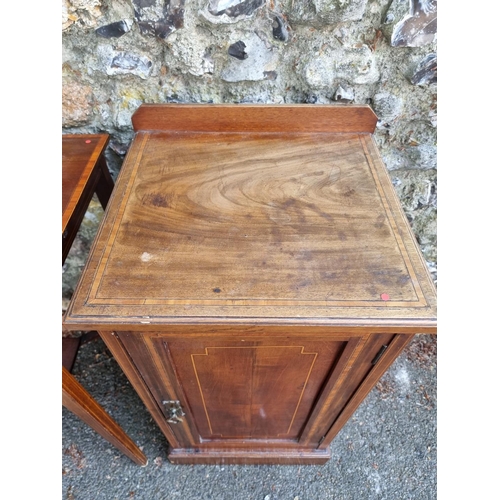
{"x": 80, "y": 155}
{"x": 255, "y": 118}
{"x": 270, "y": 390}
{"x": 255, "y": 226}
{"x": 84, "y": 172}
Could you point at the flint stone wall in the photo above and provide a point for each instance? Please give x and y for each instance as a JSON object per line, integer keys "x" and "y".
{"x": 122, "y": 53}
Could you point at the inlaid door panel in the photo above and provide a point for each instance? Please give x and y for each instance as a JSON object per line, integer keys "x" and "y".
{"x": 253, "y": 392}
{"x": 247, "y": 390}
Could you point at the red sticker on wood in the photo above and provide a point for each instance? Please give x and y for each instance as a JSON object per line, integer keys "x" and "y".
{"x": 384, "y": 296}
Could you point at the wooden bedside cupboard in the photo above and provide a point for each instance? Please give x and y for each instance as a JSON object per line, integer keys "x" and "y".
{"x": 254, "y": 276}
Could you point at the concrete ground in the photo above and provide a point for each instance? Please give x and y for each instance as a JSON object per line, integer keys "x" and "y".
{"x": 387, "y": 450}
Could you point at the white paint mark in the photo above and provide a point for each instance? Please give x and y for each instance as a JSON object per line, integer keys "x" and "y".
{"x": 146, "y": 257}
{"x": 262, "y": 413}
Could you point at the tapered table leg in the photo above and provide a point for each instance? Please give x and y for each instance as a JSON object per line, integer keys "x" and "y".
{"x": 76, "y": 399}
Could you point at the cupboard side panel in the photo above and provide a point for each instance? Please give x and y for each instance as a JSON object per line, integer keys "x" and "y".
{"x": 372, "y": 376}
{"x": 134, "y": 376}
{"x": 343, "y": 387}
{"x": 152, "y": 361}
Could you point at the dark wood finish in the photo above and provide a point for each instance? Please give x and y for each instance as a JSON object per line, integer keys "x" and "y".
{"x": 133, "y": 374}
{"x": 84, "y": 172}
{"x": 254, "y": 276}
{"x": 273, "y": 382}
{"x": 304, "y": 400}
{"x": 270, "y": 457}
{"x": 70, "y": 348}
{"x": 328, "y": 245}
{"x": 76, "y": 399}
{"x": 254, "y": 118}
{"x": 371, "y": 377}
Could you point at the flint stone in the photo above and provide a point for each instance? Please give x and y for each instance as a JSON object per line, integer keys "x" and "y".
{"x": 324, "y": 11}
{"x": 234, "y": 8}
{"x": 415, "y": 28}
{"x": 230, "y": 11}
{"x": 426, "y": 71}
{"x": 257, "y": 66}
{"x": 150, "y": 9}
{"x": 353, "y": 65}
{"x": 124, "y": 62}
{"x": 114, "y": 30}
{"x": 344, "y": 94}
{"x": 159, "y": 18}
{"x": 114, "y": 62}
{"x": 280, "y": 31}
{"x": 238, "y": 50}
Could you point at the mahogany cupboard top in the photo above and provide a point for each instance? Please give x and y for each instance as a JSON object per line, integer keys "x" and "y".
{"x": 254, "y": 214}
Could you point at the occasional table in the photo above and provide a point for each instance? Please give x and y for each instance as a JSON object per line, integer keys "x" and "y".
{"x": 254, "y": 276}
{"x": 85, "y": 172}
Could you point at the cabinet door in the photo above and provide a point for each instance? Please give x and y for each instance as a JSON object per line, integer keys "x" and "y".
{"x": 244, "y": 392}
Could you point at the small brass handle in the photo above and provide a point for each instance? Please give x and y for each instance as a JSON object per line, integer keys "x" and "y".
{"x": 174, "y": 411}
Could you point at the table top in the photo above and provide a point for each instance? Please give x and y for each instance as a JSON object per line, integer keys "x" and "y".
{"x": 80, "y": 154}
{"x": 300, "y": 226}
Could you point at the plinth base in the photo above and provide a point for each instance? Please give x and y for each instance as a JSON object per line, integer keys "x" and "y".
{"x": 248, "y": 457}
